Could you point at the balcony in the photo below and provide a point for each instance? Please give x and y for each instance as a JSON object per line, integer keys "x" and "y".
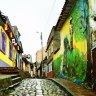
{"x": 55, "y": 38}
{"x": 56, "y": 42}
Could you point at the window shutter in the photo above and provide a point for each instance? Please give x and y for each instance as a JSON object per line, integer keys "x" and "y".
{"x": 3, "y": 42}
{"x": 10, "y": 51}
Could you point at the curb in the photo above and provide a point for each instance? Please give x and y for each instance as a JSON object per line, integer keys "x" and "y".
{"x": 68, "y": 91}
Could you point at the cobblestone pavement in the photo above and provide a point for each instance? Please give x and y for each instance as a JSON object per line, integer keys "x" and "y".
{"x": 37, "y": 87}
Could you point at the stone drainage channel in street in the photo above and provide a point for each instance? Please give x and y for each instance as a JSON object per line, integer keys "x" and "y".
{"x": 38, "y": 87}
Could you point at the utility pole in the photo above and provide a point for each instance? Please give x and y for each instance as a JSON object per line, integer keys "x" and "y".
{"x": 42, "y": 54}
{"x": 41, "y": 39}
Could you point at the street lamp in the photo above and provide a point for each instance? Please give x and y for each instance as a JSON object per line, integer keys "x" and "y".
{"x": 42, "y": 53}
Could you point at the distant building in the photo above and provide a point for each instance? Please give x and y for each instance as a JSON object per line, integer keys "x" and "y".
{"x": 39, "y": 58}
{"x": 27, "y": 62}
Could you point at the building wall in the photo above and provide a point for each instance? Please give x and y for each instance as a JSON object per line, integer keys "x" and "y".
{"x": 26, "y": 67}
{"x": 71, "y": 60}
{"x": 14, "y": 55}
{"x": 92, "y": 18}
{"x": 23, "y": 66}
{"x": 92, "y": 7}
{"x": 5, "y": 57}
{"x": 39, "y": 55}
{"x": 19, "y": 61}
{"x": 53, "y": 45}
{"x": 50, "y": 70}
{"x": 39, "y": 59}
{"x": 50, "y": 60}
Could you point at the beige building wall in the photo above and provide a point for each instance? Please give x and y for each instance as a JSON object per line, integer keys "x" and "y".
{"x": 39, "y": 55}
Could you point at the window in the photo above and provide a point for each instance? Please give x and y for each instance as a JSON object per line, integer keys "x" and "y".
{"x": 0, "y": 38}
{"x": 3, "y": 42}
{"x": 10, "y": 50}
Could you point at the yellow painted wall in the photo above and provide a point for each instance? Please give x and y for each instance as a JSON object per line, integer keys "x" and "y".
{"x": 64, "y": 31}
{"x": 5, "y": 57}
{"x": 27, "y": 67}
{"x": 80, "y": 45}
{"x": 14, "y": 55}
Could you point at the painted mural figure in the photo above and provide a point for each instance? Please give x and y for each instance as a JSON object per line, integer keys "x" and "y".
{"x": 66, "y": 48}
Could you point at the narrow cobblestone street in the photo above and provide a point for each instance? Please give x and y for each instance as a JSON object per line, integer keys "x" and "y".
{"x": 37, "y": 87}
{"x": 48, "y": 48}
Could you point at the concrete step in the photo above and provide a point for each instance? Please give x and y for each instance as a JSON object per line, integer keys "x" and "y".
{"x": 16, "y": 79}
{"x": 14, "y": 76}
{"x": 15, "y": 84}
{"x": 9, "y": 82}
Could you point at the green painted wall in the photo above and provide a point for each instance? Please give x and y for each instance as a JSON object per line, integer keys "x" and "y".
{"x": 71, "y": 59}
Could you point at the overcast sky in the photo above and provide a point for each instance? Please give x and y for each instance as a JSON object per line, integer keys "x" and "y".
{"x": 31, "y": 16}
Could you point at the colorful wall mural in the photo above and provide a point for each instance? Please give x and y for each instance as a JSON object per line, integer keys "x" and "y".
{"x": 70, "y": 61}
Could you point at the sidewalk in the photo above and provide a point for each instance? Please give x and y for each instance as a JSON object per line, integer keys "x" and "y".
{"x": 4, "y": 76}
{"x": 73, "y": 88}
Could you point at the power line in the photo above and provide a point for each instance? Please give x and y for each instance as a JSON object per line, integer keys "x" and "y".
{"x": 51, "y": 10}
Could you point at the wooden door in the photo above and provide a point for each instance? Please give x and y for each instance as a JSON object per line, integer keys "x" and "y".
{"x": 94, "y": 67}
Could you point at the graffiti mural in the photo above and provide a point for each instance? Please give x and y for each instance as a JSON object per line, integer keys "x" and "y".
{"x": 73, "y": 50}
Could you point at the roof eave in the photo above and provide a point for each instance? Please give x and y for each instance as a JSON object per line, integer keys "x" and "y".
{"x": 68, "y": 6}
